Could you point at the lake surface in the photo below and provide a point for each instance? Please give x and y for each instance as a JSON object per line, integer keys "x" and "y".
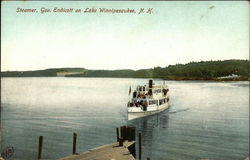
{"x": 207, "y": 120}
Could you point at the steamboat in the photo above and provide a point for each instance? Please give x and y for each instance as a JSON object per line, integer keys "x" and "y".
{"x": 147, "y": 100}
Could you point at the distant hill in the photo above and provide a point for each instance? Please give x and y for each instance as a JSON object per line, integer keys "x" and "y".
{"x": 124, "y": 73}
{"x": 42, "y": 73}
{"x": 203, "y": 69}
{"x": 193, "y": 70}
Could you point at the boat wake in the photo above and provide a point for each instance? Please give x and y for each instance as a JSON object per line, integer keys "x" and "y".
{"x": 123, "y": 114}
{"x": 181, "y": 110}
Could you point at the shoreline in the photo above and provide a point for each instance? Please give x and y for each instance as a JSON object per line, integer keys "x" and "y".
{"x": 207, "y": 79}
{"x": 167, "y": 79}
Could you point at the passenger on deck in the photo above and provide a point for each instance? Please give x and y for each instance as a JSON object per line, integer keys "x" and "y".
{"x": 136, "y": 104}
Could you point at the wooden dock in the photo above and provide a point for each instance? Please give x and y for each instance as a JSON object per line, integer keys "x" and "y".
{"x": 107, "y": 152}
{"x": 122, "y": 149}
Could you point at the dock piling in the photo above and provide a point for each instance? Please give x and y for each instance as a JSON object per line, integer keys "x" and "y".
{"x": 74, "y": 143}
{"x": 117, "y": 134}
{"x": 123, "y": 132}
{"x": 121, "y": 141}
{"x": 139, "y": 146}
{"x": 132, "y": 138}
{"x": 40, "y": 146}
{"x": 132, "y": 133}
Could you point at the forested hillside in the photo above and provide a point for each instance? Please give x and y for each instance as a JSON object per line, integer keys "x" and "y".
{"x": 192, "y": 70}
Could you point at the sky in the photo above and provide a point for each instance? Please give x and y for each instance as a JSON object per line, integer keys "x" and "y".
{"x": 175, "y": 32}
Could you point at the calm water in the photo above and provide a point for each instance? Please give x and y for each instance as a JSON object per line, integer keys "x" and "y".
{"x": 207, "y": 120}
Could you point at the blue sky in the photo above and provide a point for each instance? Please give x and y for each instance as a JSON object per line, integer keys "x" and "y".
{"x": 176, "y": 32}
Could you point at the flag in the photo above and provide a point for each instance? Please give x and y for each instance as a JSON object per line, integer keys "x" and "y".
{"x": 129, "y": 90}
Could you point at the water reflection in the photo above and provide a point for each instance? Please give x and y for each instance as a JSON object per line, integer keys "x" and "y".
{"x": 150, "y": 127}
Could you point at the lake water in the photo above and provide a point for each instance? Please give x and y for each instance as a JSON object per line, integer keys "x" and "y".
{"x": 207, "y": 120}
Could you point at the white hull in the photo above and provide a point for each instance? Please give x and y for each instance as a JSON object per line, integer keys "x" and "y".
{"x": 135, "y": 115}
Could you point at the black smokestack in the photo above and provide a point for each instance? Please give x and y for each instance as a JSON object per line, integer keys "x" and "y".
{"x": 150, "y": 83}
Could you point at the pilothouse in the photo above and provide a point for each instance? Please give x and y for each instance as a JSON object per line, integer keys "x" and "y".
{"x": 147, "y": 100}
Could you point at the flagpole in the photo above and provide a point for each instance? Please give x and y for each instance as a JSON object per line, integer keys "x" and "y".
{"x": 128, "y": 101}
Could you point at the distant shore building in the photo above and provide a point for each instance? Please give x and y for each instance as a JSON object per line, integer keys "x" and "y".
{"x": 64, "y": 73}
{"x": 232, "y": 76}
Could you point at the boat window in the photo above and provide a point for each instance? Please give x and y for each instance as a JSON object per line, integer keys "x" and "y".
{"x": 164, "y": 92}
{"x": 157, "y": 91}
{"x": 152, "y": 102}
{"x": 134, "y": 94}
{"x": 162, "y": 101}
{"x": 140, "y": 88}
{"x": 141, "y": 102}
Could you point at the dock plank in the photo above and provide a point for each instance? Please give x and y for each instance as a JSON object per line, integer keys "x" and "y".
{"x": 107, "y": 152}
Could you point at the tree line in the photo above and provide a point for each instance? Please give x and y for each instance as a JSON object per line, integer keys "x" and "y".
{"x": 191, "y": 70}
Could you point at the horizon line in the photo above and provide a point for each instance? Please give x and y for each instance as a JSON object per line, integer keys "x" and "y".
{"x": 121, "y": 69}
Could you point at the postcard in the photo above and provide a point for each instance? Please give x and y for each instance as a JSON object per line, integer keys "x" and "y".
{"x": 119, "y": 80}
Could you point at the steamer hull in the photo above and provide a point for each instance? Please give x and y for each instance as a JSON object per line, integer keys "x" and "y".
{"x": 135, "y": 115}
